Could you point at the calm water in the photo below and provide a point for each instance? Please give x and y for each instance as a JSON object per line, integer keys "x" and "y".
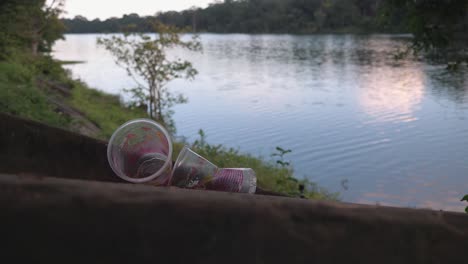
{"x": 358, "y": 122}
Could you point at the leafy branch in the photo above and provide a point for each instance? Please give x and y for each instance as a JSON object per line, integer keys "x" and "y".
{"x": 280, "y": 154}
{"x": 466, "y": 200}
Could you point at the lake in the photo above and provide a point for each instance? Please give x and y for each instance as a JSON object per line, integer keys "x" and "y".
{"x": 377, "y": 130}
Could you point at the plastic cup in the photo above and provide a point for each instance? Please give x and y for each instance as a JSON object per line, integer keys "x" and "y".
{"x": 192, "y": 170}
{"x": 195, "y": 172}
{"x": 234, "y": 180}
{"x": 140, "y": 151}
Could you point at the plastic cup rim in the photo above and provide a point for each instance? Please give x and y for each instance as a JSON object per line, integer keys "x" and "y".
{"x": 179, "y": 159}
{"x": 186, "y": 149}
{"x": 160, "y": 171}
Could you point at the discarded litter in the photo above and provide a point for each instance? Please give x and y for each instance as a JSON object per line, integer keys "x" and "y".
{"x": 140, "y": 151}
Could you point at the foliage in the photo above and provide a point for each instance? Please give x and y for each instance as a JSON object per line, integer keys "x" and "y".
{"x": 465, "y": 199}
{"x": 105, "y": 110}
{"x": 30, "y": 26}
{"x": 253, "y": 16}
{"x": 270, "y": 176}
{"x": 145, "y": 57}
{"x": 280, "y": 154}
{"x": 438, "y": 27}
{"x": 20, "y": 96}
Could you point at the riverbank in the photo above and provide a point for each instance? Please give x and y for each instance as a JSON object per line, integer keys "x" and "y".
{"x": 40, "y": 89}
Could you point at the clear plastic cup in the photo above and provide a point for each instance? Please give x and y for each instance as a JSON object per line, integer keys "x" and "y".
{"x": 192, "y": 170}
{"x": 195, "y": 172}
{"x": 234, "y": 180}
{"x": 140, "y": 151}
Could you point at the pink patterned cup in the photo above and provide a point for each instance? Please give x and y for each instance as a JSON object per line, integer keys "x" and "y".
{"x": 140, "y": 151}
{"x": 234, "y": 180}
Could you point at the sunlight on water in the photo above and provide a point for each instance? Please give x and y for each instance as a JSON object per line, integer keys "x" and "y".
{"x": 391, "y": 105}
{"x": 360, "y": 123}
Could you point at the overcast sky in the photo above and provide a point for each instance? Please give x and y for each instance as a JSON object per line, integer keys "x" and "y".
{"x": 108, "y": 8}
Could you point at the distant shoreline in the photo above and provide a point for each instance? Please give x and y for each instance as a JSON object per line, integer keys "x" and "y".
{"x": 264, "y": 33}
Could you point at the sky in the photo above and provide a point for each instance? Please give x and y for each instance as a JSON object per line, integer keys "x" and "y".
{"x": 103, "y": 9}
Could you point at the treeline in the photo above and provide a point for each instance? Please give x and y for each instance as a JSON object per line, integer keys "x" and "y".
{"x": 259, "y": 16}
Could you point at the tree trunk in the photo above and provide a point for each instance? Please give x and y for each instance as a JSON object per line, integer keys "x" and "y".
{"x": 36, "y": 37}
{"x": 150, "y": 108}
{"x": 151, "y": 103}
{"x": 160, "y": 117}
{"x": 34, "y": 46}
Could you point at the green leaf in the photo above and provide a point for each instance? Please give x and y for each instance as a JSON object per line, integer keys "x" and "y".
{"x": 466, "y": 210}
{"x": 465, "y": 198}
{"x": 292, "y": 179}
{"x": 280, "y": 149}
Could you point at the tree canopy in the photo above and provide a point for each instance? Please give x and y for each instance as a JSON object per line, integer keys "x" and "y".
{"x": 30, "y": 25}
{"x": 435, "y": 24}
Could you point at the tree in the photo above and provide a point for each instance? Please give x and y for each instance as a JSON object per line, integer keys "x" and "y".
{"x": 44, "y": 25}
{"x": 439, "y": 27}
{"x": 30, "y": 25}
{"x": 145, "y": 57}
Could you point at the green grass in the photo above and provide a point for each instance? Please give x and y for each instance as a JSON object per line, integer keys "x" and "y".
{"x": 20, "y": 96}
{"x": 105, "y": 110}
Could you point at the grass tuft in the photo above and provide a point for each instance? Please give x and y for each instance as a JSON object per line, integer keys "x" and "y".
{"x": 105, "y": 110}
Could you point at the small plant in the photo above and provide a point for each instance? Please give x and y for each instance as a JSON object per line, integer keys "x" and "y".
{"x": 286, "y": 165}
{"x": 345, "y": 184}
{"x": 465, "y": 199}
{"x": 199, "y": 143}
{"x": 144, "y": 57}
{"x": 280, "y": 154}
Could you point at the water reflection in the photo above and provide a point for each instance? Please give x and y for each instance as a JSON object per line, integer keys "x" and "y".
{"x": 391, "y": 94}
{"x": 452, "y": 85}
